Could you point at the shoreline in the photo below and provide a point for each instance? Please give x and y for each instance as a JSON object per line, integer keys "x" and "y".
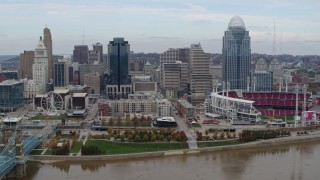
{"x": 47, "y": 159}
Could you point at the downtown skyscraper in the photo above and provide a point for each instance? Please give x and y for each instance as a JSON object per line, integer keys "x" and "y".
{"x": 47, "y": 40}
{"x": 236, "y": 54}
{"x": 119, "y": 81}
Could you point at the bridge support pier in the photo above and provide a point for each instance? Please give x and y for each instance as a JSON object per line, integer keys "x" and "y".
{"x": 19, "y": 171}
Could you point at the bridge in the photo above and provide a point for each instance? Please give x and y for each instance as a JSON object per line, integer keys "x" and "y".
{"x": 15, "y": 151}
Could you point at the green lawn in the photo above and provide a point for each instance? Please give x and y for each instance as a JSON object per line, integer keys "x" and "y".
{"x": 48, "y": 152}
{"x": 218, "y": 143}
{"x": 41, "y": 117}
{"x": 76, "y": 147}
{"x": 36, "y": 152}
{"x": 66, "y": 136}
{"x": 195, "y": 125}
{"x": 124, "y": 148}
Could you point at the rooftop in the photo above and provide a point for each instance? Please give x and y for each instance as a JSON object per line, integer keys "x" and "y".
{"x": 9, "y": 82}
{"x": 236, "y": 23}
{"x": 185, "y": 103}
{"x": 79, "y": 94}
{"x": 61, "y": 91}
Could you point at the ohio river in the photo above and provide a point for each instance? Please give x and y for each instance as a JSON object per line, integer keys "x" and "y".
{"x": 292, "y": 162}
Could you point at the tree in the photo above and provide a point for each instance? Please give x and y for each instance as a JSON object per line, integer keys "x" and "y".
{"x": 137, "y": 138}
{"x": 122, "y": 137}
{"x": 145, "y": 138}
{"x": 127, "y": 120}
{"x": 153, "y": 138}
{"x": 169, "y": 138}
{"x": 109, "y": 131}
{"x": 215, "y": 135}
{"x": 135, "y": 121}
{"x": 111, "y": 121}
{"x": 222, "y": 135}
{"x": 119, "y": 120}
{"x": 149, "y": 119}
{"x": 130, "y": 137}
{"x": 206, "y": 132}
{"x": 103, "y": 121}
{"x": 58, "y": 133}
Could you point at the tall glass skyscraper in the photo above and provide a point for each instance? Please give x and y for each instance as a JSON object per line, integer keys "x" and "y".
{"x": 236, "y": 54}
{"x": 119, "y": 82}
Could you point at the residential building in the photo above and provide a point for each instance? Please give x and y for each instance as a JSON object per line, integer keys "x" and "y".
{"x": 236, "y": 54}
{"x": 164, "y": 108}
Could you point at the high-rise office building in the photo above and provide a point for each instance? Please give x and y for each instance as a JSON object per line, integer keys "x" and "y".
{"x": 81, "y": 54}
{"x": 119, "y": 83}
{"x": 236, "y": 54}
{"x": 171, "y": 56}
{"x": 93, "y": 80}
{"x": 261, "y": 80}
{"x": 99, "y": 48}
{"x": 47, "y": 40}
{"x": 94, "y": 57}
{"x": 39, "y": 81}
{"x": 61, "y": 73}
{"x": 200, "y": 77}
{"x": 175, "y": 78}
{"x": 40, "y": 66}
{"x": 26, "y": 62}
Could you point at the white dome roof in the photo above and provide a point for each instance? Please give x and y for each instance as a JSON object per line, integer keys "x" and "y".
{"x": 236, "y": 23}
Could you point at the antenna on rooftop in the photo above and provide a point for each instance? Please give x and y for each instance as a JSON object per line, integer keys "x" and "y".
{"x": 82, "y": 36}
{"x": 274, "y": 39}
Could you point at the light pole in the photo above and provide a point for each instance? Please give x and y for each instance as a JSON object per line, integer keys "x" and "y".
{"x": 296, "y": 90}
{"x": 304, "y": 91}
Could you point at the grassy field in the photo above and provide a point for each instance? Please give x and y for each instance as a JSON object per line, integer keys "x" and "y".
{"x": 76, "y": 147}
{"x": 218, "y": 143}
{"x": 36, "y": 152}
{"x": 124, "y": 148}
{"x": 48, "y": 152}
{"x": 41, "y": 117}
{"x": 196, "y": 125}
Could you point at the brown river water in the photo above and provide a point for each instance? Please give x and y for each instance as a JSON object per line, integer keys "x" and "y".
{"x": 286, "y": 162}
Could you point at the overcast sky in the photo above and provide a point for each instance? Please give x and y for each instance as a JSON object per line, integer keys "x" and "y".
{"x": 156, "y": 25}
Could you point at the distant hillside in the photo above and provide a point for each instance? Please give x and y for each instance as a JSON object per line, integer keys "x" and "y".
{"x": 11, "y": 63}
{"x": 6, "y": 57}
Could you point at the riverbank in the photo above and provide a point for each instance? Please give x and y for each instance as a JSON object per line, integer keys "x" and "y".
{"x": 255, "y": 144}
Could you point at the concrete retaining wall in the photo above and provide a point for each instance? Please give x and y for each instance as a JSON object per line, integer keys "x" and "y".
{"x": 262, "y": 143}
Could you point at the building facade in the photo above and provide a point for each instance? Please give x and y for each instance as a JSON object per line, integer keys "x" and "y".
{"x": 61, "y": 74}
{"x": 47, "y": 40}
{"x": 81, "y": 54}
{"x": 164, "y": 108}
{"x": 98, "y": 47}
{"x": 261, "y": 81}
{"x": 11, "y": 95}
{"x": 236, "y": 54}
{"x": 175, "y": 78}
{"x": 93, "y": 80}
{"x": 26, "y": 62}
{"x": 119, "y": 81}
{"x": 200, "y": 77}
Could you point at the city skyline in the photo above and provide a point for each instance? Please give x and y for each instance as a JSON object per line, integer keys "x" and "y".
{"x": 168, "y": 24}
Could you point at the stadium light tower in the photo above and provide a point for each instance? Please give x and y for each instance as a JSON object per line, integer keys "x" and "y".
{"x": 296, "y": 90}
{"x": 304, "y": 91}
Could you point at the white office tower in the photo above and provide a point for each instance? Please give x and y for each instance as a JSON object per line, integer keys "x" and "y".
{"x": 39, "y": 71}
